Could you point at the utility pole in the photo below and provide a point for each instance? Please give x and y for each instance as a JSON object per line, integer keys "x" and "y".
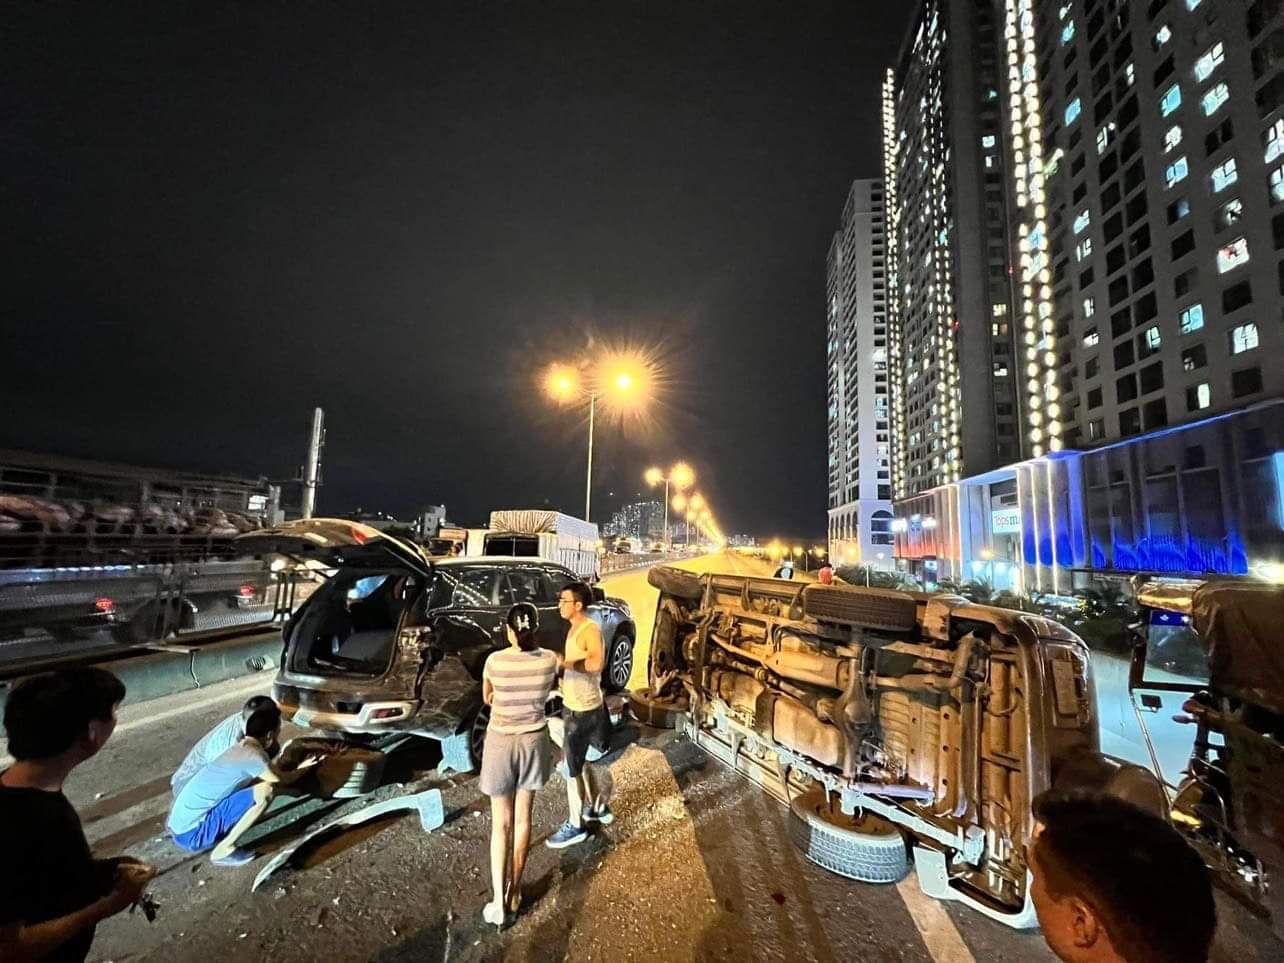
{"x": 313, "y": 470}
{"x": 588, "y": 483}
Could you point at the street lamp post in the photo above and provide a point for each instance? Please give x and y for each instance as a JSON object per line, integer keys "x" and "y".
{"x": 621, "y": 379}
{"x": 680, "y": 476}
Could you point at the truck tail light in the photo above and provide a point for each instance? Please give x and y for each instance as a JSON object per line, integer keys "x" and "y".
{"x": 247, "y": 591}
{"x": 104, "y": 605}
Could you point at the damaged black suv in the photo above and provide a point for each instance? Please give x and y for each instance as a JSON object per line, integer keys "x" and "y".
{"x": 395, "y": 639}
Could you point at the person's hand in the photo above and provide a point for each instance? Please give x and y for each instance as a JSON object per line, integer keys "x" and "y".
{"x": 127, "y": 887}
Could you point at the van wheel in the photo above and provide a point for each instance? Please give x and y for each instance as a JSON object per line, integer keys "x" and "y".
{"x": 675, "y": 582}
{"x": 867, "y": 848}
{"x": 619, "y": 663}
{"x": 656, "y": 711}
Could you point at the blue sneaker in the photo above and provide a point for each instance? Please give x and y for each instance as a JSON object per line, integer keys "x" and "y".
{"x": 567, "y": 835}
{"x": 603, "y": 816}
{"x": 237, "y": 857}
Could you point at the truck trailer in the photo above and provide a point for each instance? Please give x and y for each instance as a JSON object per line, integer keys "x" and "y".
{"x": 539, "y": 533}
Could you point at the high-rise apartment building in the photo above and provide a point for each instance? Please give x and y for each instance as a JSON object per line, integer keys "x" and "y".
{"x": 1161, "y": 156}
{"x": 954, "y": 406}
{"x": 1141, "y": 147}
{"x": 860, "y": 509}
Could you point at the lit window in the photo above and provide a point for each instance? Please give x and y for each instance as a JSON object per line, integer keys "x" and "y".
{"x": 1082, "y": 221}
{"x": 1083, "y": 249}
{"x": 1232, "y": 255}
{"x": 1104, "y": 137}
{"x": 1172, "y": 137}
{"x": 1091, "y": 338}
{"x": 1170, "y": 101}
{"x": 1130, "y": 74}
{"x": 1277, "y": 184}
{"x": 1192, "y": 319}
{"x": 1072, "y": 111}
{"x": 1192, "y": 4}
{"x": 1230, "y": 212}
{"x": 1089, "y": 307}
{"x": 1243, "y": 337}
{"x": 1210, "y": 60}
{"x": 1067, "y": 32}
{"x": 1274, "y": 138}
{"x": 1176, "y": 171}
{"x": 1065, "y": 9}
{"x": 987, "y": 141}
{"x": 1224, "y": 175}
{"x": 1162, "y": 36}
{"x": 1198, "y": 397}
{"x": 1152, "y": 338}
{"x": 1215, "y": 97}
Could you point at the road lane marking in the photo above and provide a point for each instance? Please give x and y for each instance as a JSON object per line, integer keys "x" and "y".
{"x": 940, "y": 935}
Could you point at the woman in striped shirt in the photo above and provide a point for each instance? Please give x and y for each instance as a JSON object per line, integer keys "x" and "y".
{"x": 517, "y": 757}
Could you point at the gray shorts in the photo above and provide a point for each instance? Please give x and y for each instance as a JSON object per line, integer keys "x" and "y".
{"x": 511, "y": 762}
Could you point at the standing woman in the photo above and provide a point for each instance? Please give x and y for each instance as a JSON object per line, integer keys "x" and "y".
{"x": 517, "y": 757}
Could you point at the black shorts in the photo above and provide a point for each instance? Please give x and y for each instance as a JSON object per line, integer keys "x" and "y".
{"x": 584, "y": 729}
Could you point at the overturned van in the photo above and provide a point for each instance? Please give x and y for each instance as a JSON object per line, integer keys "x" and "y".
{"x": 896, "y": 726}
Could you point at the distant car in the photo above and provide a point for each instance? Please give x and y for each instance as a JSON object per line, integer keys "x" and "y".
{"x": 395, "y": 640}
{"x": 623, "y": 547}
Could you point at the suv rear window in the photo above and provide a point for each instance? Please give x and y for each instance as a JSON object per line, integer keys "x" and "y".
{"x": 469, "y": 587}
{"x": 350, "y": 623}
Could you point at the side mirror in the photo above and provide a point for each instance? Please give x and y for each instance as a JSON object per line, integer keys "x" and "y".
{"x": 599, "y": 594}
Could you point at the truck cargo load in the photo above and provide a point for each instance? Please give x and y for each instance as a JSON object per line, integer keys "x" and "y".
{"x": 94, "y": 549}
{"x": 539, "y": 533}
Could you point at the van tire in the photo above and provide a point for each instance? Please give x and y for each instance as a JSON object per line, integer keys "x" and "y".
{"x": 676, "y": 582}
{"x": 865, "y": 848}
{"x": 658, "y": 712}
{"x": 869, "y": 608}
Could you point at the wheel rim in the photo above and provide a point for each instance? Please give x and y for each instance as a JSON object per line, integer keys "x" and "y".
{"x": 621, "y": 663}
{"x": 477, "y": 737}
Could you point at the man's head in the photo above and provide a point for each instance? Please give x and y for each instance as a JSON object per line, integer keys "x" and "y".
{"x": 70, "y": 712}
{"x": 264, "y": 724}
{"x": 1114, "y": 882}
{"x": 253, "y": 704}
{"x": 573, "y": 601}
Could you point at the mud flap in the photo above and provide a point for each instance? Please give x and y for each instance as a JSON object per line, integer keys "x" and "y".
{"x": 455, "y": 753}
{"x": 428, "y": 804}
{"x": 934, "y": 880}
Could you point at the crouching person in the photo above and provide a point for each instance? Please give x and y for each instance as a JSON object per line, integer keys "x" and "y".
{"x": 226, "y": 796}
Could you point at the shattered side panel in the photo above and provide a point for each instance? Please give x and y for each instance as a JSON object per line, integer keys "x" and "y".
{"x": 448, "y": 692}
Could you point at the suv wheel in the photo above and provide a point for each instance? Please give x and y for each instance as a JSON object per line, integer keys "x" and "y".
{"x": 867, "y": 848}
{"x": 477, "y": 735}
{"x": 619, "y": 663}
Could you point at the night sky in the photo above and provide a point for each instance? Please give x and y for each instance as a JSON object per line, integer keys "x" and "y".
{"x": 218, "y": 216}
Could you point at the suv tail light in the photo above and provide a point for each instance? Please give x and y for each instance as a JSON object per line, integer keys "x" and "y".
{"x": 104, "y": 605}
{"x": 385, "y": 713}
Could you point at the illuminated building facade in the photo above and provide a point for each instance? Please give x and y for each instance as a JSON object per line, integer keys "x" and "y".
{"x": 1205, "y": 498}
{"x": 859, "y": 427}
{"x": 952, "y": 341}
{"x": 1163, "y": 146}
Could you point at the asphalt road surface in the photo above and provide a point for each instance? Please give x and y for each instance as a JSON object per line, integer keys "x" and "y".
{"x": 697, "y": 866}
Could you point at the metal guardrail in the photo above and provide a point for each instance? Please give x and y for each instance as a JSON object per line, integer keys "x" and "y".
{"x": 612, "y": 564}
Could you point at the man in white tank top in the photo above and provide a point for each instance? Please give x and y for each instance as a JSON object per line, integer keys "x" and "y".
{"x": 583, "y": 714}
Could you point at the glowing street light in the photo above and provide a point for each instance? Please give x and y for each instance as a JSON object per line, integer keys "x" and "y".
{"x": 620, "y": 379}
{"x": 680, "y": 476}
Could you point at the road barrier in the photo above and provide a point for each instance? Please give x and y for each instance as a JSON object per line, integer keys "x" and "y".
{"x": 611, "y": 564}
{"x": 164, "y": 669}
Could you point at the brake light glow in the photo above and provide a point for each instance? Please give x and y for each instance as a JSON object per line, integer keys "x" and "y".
{"x": 358, "y": 535}
{"x": 246, "y": 591}
{"x": 104, "y": 605}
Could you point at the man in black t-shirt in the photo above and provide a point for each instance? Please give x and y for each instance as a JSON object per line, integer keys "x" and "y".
{"x": 52, "y": 890}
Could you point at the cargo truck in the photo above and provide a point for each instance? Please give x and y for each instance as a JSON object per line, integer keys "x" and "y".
{"x": 539, "y": 533}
